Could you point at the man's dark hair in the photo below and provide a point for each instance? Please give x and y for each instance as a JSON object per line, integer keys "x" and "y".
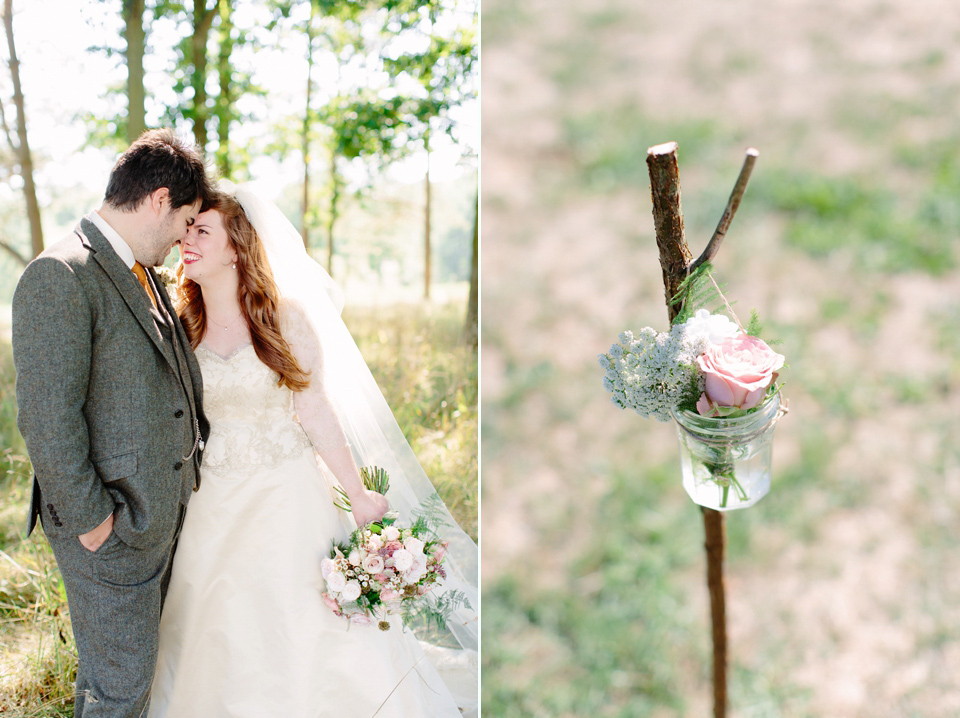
{"x": 158, "y": 159}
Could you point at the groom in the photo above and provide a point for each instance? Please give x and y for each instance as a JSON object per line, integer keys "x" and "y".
{"x": 109, "y": 399}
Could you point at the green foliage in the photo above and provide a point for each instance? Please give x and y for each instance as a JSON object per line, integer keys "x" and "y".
{"x": 698, "y": 291}
{"x": 609, "y": 637}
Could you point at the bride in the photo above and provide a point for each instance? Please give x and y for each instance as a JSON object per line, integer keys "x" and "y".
{"x": 244, "y": 631}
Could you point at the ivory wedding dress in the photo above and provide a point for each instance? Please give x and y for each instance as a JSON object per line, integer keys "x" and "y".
{"x": 244, "y": 631}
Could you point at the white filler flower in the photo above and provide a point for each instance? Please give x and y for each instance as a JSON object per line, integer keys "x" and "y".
{"x": 653, "y": 372}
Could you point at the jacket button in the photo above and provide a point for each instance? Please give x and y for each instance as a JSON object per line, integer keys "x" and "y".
{"x": 57, "y": 523}
{"x": 178, "y": 413}
{"x": 50, "y": 506}
{"x": 177, "y": 466}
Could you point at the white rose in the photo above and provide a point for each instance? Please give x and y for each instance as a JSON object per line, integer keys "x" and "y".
{"x": 375, "y": 543}
{"x": 413, "y": 545}
{"x": 402, "y": 559}
{"x": 351, "y": 592}
{"x": 391, "y": 533}
{"x": 715, "y": 327}
{"x": 373, "y": 563}
{"x": 327, "y": 567}
{"x": 336, "y": 581}
{"x": 354, "y": 558}
{"x": 416, "y": 571}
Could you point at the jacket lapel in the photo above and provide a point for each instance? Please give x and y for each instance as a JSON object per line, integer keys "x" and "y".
{"x": 126, "y": 283}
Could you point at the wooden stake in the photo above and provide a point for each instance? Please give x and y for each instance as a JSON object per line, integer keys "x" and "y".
{"x": 674, "y": 260}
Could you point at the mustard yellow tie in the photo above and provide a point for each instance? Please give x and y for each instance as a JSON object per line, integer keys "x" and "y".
{"x": 142, "y": 277}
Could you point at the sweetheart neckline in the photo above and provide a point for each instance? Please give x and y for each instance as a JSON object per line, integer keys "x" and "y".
{"x": 231, "y": 355}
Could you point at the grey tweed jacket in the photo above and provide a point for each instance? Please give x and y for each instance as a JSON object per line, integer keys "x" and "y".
{"x": 109, "y": 394}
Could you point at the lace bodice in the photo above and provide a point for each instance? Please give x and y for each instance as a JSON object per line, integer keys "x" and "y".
{"x": 252, "y": 419}
{"x": 256, "y": 422}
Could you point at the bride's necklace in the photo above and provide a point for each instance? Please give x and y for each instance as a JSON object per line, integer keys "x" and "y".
{"x": 239, "y": 314}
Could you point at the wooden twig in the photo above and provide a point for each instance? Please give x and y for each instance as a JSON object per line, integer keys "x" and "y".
{"x": 733, "y": 203}
{"x": 674, "y": 260}
{"x": 668, "y": 219}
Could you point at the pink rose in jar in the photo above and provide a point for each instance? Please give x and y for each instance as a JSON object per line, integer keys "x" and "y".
{"x": 738, "y": 372}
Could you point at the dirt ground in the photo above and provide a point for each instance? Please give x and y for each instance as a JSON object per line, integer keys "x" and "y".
{"x": 860, "y": 607}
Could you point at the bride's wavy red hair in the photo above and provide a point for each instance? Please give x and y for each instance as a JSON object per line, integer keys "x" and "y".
{"x": 257, "y": 293}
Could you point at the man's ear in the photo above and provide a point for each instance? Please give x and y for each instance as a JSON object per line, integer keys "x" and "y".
{"x": 159, "y": 200}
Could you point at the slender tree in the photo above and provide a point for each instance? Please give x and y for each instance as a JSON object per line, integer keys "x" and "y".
{"x": 305, "y": 138}
{"x": 199, "y": 112}
{"x": 21, "y": 147}
{"x": 135, "y": 49}
{"x": 227, "y": 97}
{"x": 445, "y": 73}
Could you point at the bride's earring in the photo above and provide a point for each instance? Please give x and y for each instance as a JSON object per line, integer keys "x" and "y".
{"x": 234, "y": 265}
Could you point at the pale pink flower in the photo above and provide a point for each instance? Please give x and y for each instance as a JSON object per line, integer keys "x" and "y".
{"x": 351, "y": 591}
{"x": 327, "y": 566}
{"x": 737, "y": 372}
{"x": 402, "y": 559}
{"x": 391, "y": 533}
{"x": 413, "y": 545}
{"x": 389, "y": 594}
{"x": 373, "y": 563}
{"x": 336, "y": 581}
{"x": 331, "y": 602}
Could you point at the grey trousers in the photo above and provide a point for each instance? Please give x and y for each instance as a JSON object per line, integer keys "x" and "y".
{"x": 115, "y": 595}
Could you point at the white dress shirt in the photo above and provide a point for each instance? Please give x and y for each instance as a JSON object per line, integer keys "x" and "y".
{"x": 118, "y": 243}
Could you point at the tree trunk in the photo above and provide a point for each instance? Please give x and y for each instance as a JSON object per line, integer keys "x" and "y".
{"x": 674, "y": 260}
{"x": 22, "y": 149}
{"x": 305, "y": 139}
{"x": 136, "y": 41}
{"x": 470, "y": 333}
{"x": 334, "y": 202}
{"x": 202, "y": 22}
{"x": 426, "y": 224}
{"x": 226, "y": 98}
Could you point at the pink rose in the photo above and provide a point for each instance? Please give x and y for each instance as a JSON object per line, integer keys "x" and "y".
{"x": 388, "y": 594}
{"x": 331, "y": 603}
{"x": 738, "y": 372}
{"x": 373, "y": 563}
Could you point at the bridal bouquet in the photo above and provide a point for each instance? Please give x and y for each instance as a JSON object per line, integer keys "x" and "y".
{"x": 719, "y": 382}
{"x": 385, "y": 568}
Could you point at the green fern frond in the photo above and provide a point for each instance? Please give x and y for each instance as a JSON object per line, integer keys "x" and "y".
{"x": 697, "y": 291}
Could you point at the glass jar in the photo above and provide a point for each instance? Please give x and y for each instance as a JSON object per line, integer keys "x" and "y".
{"x": 726, "y": 461}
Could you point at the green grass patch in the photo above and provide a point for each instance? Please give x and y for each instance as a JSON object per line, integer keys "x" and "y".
{"x": 880, "y": 230}
{"x": 610, "y": 639}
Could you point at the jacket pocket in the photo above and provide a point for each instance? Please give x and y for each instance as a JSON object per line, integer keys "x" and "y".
{"x": 115, "y": 468}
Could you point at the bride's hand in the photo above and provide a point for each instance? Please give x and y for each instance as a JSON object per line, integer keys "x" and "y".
{"x": 368, "y": 506}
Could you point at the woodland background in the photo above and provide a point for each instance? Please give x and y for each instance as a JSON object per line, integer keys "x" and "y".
{"x": 359, "y": 118}
{"x": 843, "y": 594}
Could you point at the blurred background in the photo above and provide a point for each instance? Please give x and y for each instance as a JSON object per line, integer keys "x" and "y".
{"x": 358, "y": 117}
{"x": 843, "y": 584}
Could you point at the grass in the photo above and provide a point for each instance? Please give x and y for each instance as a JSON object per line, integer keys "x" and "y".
{"x": 610, "y": 637}
{"x": 429, "y": 380}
